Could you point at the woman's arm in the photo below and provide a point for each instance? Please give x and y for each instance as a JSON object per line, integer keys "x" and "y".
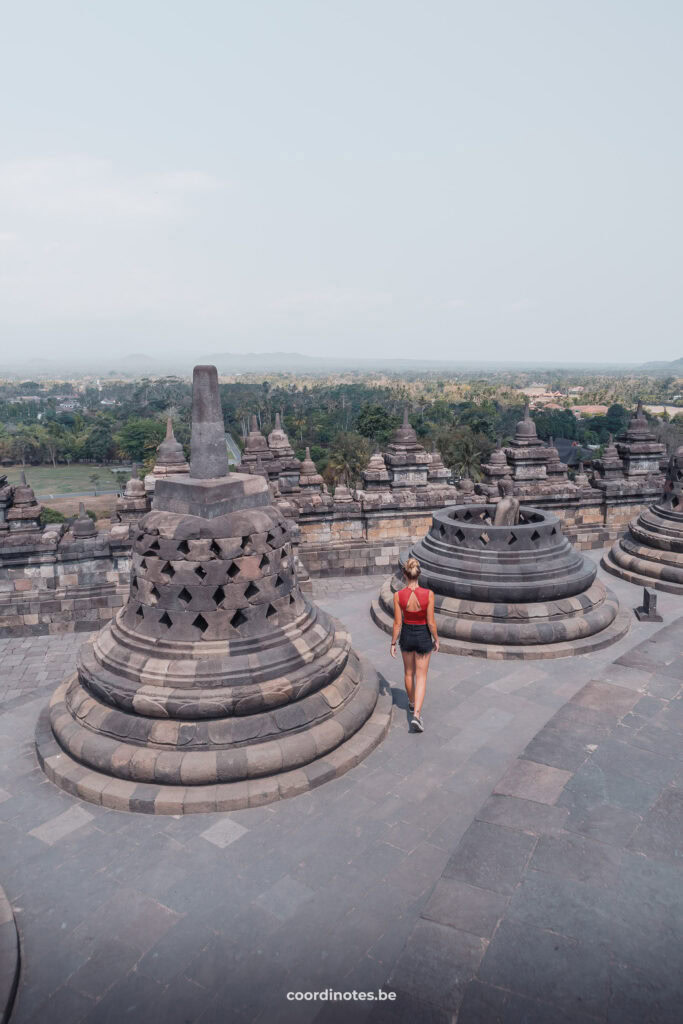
{"x": 431, "y": 622}
{"x": 398, "y": 621}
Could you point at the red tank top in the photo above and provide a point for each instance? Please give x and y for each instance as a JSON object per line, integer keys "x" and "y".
{"x": 414, "y": 618}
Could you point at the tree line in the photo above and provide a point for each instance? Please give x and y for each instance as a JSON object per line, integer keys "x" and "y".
{"x": 342, "y": 422}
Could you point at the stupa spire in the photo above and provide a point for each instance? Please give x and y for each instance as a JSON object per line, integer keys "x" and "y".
{"x": 209, "y": 453}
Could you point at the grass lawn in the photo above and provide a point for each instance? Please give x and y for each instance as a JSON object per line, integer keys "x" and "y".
{"x": 46, "y": 480}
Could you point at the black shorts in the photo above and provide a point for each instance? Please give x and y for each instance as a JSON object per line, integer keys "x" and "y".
{"x": 416, "y": 638}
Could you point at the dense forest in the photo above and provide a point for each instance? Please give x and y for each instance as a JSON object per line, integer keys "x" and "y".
{"x": 342, "y": 421}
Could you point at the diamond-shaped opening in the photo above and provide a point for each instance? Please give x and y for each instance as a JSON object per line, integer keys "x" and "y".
{"x": 442, "y": 530}
{"x": 184, "y": 547}
{"x": 484, "y": 538}
{"x": 166, "y": 620}
{"x": 233, "y": 570}
{"x": 283, "y": 553}
{"x": 467, "y": 515}
{"x": 215, "y": 549}
{"x": 185, "y": 596}
{"x": 200, "y": 571}
{"x": 553, "y": 531}
{"x": 150, "y": 551}
{"x": 512, "y": 539}
{"x": 251, "y": 591}
{"x": 155, "y": 593}
{"x": 201, "y": 623}
{"x": 134, "y": 583}
{"x": 154, "y": 546}
{"x": 246, "y": 542}
{"x": 140, "y": 537}
{"x": 218, "y": 595}
{"x": 291, "y": 598}
{"x": 139, "y": 612}
{"x": 264, "y": 563}
{"x": 459, "y": 536}
{"x": 270, "y": 611}
{"x": 674, "y": 501}
{"x": 238, "y": 619}
{"x": 168, "y": 570}
{"x": 143, "y": 564}
{"x": 535, "y": 536}
{"x": 278, "y": 581}
{"x": 270, "y": 539}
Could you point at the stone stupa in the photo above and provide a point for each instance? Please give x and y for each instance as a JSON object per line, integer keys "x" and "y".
{"x": 170, "y": 459}
{"x": 651, "y": 552}
{"x": 508, "y": 584}
{"x": 218, "y": 685}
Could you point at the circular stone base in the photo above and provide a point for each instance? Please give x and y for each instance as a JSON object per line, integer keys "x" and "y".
{"x": 9, "y": 958}
{"x": 640, "y": 579}
{"x": 120, "y": 795}
{"x": 527, "y": 652}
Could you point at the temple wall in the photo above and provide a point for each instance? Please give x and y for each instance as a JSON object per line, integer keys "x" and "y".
{"x": 73, "y": 585}
{"x": 69, "y": 590}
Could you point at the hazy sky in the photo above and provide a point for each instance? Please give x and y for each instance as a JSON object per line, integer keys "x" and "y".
{"x": 489, "y": 178}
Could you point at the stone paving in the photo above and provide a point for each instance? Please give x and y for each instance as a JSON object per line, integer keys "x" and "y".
{"x": 216, "y": 917}
{"x": 570, "y": 875}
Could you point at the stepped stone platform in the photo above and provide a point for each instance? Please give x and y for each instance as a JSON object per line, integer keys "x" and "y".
{"x": 651, "y": 552}
{"x": 508, "y": 591}
{"x": 437, "y": 868}
{"x": 219, "y": 685}
{"x": 9, "y": 958}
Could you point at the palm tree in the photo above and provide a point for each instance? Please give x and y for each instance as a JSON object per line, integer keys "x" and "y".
{"x": 467, "y": 458}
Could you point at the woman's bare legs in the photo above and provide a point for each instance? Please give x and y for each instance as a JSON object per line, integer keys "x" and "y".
{"x": 421, "y": 666}
{"x": 409, "y": 674}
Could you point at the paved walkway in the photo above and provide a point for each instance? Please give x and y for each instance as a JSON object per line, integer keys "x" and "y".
{"x": 217, "y": 917}
{"x": 563, "y": 900}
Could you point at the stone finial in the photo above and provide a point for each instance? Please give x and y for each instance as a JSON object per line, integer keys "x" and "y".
{"x": 170, "y": 452}
{"x": 308, "y": 467}
{"x": 83, "y": 526}
{"x": 342, "y": 494}
{"x": 134, "y": 488}
{"x": 278, "y": 421}
{"x": 209, "y": 453}
{"x": 406, "y": 421}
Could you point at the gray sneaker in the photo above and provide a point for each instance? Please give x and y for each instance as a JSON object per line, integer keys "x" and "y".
{"x": 417, "y": 723}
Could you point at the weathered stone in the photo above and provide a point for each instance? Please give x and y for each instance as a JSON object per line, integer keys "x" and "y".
{"x": 519, "y": 590}
{"x": 211, "y": 673}
{"x": 209, "y": 459}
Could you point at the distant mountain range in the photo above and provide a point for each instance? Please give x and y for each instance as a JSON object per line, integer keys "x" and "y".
{"x": 137, "y": 364}
{"x": 675, "y": 367}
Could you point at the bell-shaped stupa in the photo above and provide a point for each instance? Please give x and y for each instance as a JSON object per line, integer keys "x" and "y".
{"x": 508, "y": 584}
{"x": 651, "y": 552}
{"x": 218, "y": 685}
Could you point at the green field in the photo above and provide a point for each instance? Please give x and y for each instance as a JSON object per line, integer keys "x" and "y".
{"x": 46, "y": 480}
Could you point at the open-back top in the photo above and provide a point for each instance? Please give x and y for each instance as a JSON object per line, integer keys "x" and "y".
{"x": 414, "y": 617}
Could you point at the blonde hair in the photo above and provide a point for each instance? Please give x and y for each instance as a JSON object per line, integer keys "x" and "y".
{"x": 411, "y": 569}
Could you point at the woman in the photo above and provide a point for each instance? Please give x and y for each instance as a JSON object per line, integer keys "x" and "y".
{"x": 414, "y": 621}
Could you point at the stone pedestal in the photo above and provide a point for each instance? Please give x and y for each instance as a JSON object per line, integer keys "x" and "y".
{"x": 519, "y": 591}
{"x": 218, "y": 685}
